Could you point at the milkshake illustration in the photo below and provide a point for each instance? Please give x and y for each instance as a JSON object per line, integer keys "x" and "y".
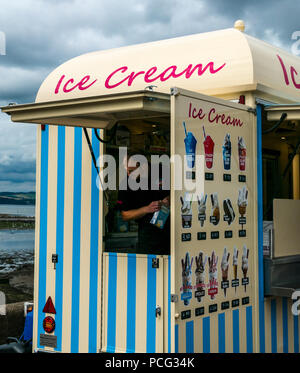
{"x": 245, "y": 265}
{"x": 186, "y": 290}
{"x": 242, "y": 201}
{"x": 215, "y": 214}
{"x": 242, "y": 153}
{"x": 186, "y": 210}
{"x": 224, "y": 269}
{"x": 235, "y": 263}
{"x": 213, "y": 275}
{"x": 202, "y": 209}
{"x": 190, "y": 147}
{"x": 208, "y": 150}
{"x": 200, "y": 276}
{"x": 229, "y": 212}
{"x": 227, "y": 152}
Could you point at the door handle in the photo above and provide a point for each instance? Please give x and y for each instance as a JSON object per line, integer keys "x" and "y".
{"x": 158, "y": 311}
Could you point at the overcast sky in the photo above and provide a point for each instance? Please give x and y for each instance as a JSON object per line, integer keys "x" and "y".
{"x": 42, "y": 34}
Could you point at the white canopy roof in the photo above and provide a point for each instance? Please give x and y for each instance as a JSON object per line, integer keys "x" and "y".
{"x": 215, "y": 63}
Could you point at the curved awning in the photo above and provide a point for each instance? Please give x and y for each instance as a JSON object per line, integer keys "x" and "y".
{"x": 213, "y": 63}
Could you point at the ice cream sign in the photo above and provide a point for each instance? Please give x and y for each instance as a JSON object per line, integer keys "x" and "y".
{"x": 125, "y": 76}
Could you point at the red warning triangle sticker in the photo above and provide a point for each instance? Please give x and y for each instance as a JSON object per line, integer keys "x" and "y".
{"x": 49, "y": 307}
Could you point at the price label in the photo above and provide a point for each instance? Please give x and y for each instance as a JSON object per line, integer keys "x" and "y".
{"x": 213, "y": 308}
{"x": 242, "y": 178}
{"x": 199, "y": 311}
{"x": 226, "y": 177}
{"x": 235, "y": 303}
{"x": 228, "y": 234}
{"x": 245, "y": 300}
{"x": 201, "y": 236}
{"x": 225, "y": 305}
{"x": 214, "y": 235}
{"x": 185, "y": 315}
{"x": 209, "y": 176}
{"x": 186, "y": 237}
{"x": 245, "y": 281}
{"x": 224, "y": 284}
{"x": 242, "y": 233}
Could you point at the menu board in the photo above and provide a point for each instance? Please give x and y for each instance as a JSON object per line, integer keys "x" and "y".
{"x": 214, "y": 213}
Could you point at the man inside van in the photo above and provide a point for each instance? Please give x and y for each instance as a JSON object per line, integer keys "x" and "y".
{"x": 140, "y": 205}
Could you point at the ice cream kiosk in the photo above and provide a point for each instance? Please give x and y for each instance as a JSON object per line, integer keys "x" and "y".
{"x": 225, "y": 108}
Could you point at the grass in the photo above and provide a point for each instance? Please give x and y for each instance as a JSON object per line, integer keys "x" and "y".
{"x": 16, "y": 225}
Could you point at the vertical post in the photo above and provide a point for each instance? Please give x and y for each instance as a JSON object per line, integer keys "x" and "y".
{"x": 260, "y": 231}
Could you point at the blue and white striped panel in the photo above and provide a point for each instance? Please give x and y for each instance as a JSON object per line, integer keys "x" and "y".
{"x": 230, "y": 331}
{"x": 132, "y": 290}
{"x": 70, "y": 226}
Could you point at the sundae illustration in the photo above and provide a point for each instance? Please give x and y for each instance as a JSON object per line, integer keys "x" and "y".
{"x": 202, "y": 209}
{"x": 200, "y": 276}
{"x": 228, "y": 209}
{"x": 224, "y": 269}
{"x": 243, "y": 201}
{"x": 186, "y": 210}
{"x": 235, "y": 263}
{"x": 245, "y": 264}
{"x": 213, "y": 275}
{"x": 227, "y": 152}
{"x": 208, "y": 150}
{"x": 242, "y": 153}
{"x": 215, "y": 214}
{"x": 190, "y": 147}
{"x": 186, "y": 290}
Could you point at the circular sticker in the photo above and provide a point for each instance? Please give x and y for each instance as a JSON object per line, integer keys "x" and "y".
{"x": 49, "y": 324}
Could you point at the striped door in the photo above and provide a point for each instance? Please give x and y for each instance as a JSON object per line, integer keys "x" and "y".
{"x": 132, "y": 289}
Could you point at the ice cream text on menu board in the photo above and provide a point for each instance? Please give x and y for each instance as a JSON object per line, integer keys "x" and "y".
{"x": 213, "y": 117}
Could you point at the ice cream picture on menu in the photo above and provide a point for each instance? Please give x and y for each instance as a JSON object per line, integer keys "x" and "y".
{"x": 186, "y": 211}
{"x": 242, "y": 205}
{"x": 213, "y": 276}
{"x": 202, "y": 209}
{"x": 245, "y": 266}
{"x": 215, "y": 212}
{"x": 200, "y": 276}
{"x": 186, "y": 289}
{"x": 227, "y": 152}
{"x": 242, "y": 153}
{"x": 235, "y": 281}
{"x": 208, "y": 150}
{"x": 190, "y": 147}
{"x": 224, "y": 269}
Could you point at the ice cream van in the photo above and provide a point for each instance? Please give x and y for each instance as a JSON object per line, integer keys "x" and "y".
{"x": 224, "y": 107}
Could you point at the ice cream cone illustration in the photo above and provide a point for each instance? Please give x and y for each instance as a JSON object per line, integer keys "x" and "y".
{"x": 242, "y": 153}
{"x": 235, "y": 263}
{"x": 227, "y": 152}
{"x": 200, "y": 276}
{"x": 202, "y": 209}
{"x": 229, "y": 212}
{"x": 245, "y": 264}
{"x": 243, "y": 201}
{"x": 186, "y": 290}
{"x": 213, "y": 275}
{"x": 224, "y": 268}
{"x": 215, "y": 214}
{"x": 186, "y": 210}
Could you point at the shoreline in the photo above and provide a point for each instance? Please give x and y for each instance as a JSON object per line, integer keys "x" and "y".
{"x": 16, "y": 222}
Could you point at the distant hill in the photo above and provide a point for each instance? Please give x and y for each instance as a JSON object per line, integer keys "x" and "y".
{"x": 9, "y": 198}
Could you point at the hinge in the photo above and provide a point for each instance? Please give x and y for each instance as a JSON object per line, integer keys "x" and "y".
{"x": 155, "y": 263}
{"x": 174, "y": 91}
{"x": 174, "y": 298}
{"x": 251, "y": 110}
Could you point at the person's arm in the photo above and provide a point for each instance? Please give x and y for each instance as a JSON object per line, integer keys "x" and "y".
{"x": 142, "y": 211}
